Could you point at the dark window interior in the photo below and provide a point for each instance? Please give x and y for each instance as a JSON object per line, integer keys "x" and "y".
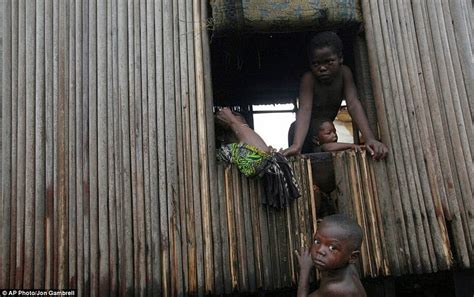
{"x": 255, "y": 69}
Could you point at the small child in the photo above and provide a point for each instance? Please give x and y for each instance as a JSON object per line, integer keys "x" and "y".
{"x": 324, "y": 138}
{"x": 334, "y": 251}
{"x": 242, "y": 146}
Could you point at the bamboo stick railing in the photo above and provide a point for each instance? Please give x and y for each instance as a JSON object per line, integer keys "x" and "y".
{"x": 109, "y": 182}
{"x": 416, "y": 55}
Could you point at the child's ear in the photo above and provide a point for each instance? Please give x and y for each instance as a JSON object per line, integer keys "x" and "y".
{"x": 341, "y": 60}
{"x": 354, "y": 256}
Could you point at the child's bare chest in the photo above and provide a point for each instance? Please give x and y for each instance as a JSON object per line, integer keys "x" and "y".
{"x": 328, "y": 94}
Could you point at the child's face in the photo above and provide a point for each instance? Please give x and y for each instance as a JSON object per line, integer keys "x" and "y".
{"x": 330, "y": 249}
{"x": 327, "y": 133}
{"x": 325, "y": 64}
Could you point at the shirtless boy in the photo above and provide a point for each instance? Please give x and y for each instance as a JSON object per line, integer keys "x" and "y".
{"x": 322, "y": 90}
{"x": 334, "y": 251}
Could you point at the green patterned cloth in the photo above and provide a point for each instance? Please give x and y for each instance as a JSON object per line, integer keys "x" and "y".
{"x": 279, "y": 184}
{"x": 247, "y": 158}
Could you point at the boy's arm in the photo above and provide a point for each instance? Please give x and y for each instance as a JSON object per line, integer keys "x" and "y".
{"x": 377, "y": 149}
{"x": 338, "y": 146}
{"x": 303, "y": 115}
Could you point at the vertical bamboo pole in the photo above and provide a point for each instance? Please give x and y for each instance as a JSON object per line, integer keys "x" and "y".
{"x": 6, "y": 146}
{"x": 179, "y": 204}
{"x": 111, "y": 153}
{"x": 13, "y": 90}
{"x": 239, "y": 229}
{"x": 102, "y": 148}
{"x": 85, "y": 146}
{"x": 49, "y": 69}
{"x": 224, "y": 234}
{"x": 139, "y": 207}
{"x": 263, "y": 221}
{"x": 145, "y": 72}
{"x": 185, "y": 148}
{"x": 195, "y": 253}
{"x": 256, "y": 229}
{"x": 208, "y": 104}
{"x": 62, "y": 171}
{"x": 153, "y": 159}
{"x": 29, "y": 157}
{"x": 21, "y": 146}
{"x": 229, "y": 185}
{"x": 40, "y": 149}
{"x": 202, "y": 143}
{"x": 127, "y": 277}
{"x": 169, "y": 137}
{"x": 72, "y": 166}
{"x": 462, "y": 35}
{"x": 247, "y": 228}
{"x": 78, "y": 141}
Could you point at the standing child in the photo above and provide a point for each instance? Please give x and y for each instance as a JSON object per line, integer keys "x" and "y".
{"x": 322, "y": 90}
{"x": 324, "y": 138}
{"x": 334, "y": 251}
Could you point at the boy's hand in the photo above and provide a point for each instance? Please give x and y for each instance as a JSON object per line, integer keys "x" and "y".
{"x": 291, "y": 151}
{"x": 377, "y": 150}
{"x": 304, "y": 259}
{"x": 225, "y": 115}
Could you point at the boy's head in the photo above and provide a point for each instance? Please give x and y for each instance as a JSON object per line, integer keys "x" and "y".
{"x": 325, "y": 56}
{"x": 323, "y": 131}
{"x": 336, "y": 242}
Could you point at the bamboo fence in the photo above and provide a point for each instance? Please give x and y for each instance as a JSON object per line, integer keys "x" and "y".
{"x": 416, "y": 208}
{"x": 109, "y": 182}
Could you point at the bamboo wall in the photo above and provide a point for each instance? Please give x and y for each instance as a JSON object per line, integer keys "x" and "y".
{"x": 420, "y": 63}
{"x": 109, "y": 182}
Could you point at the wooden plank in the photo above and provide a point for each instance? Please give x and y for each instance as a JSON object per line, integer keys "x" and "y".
{"x": 85, "y": 146}
{"x": 30, "y": 145}
{"x": 39, "y": 155}
{"x": 62, "y": 172}
{"x": 102, "y": 150}
{"x": 79, "y": 149}
{"x": 202, "y": 144}
{"x": 126, "y": 234}
{"x": 178, "y": 201}
{"x": 197, "y": 235}
{"x": 256, "y": 231}
{"x": 231, "y": 227}
{"x": 112, "y": 150}
{"x": 13, "y": 91}
{"x": 224, "y": 234}
{"x": 21, "y": 139}
{"x": 152, "y": 51}
{"x": 247, "y": 228}
{"x": 240, "y": 229}
{"x": 6, "y": 189}
{"x": 72, "y": 166}
{"x": 265, "y": 238}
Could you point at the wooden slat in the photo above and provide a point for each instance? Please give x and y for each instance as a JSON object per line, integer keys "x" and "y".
{"x": 13, "y": 89}
{"x": 6, "y": 134}
{"x": 72, "y": 166}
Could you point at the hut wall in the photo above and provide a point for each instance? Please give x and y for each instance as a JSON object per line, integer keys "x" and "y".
{"x": 420, "y": 62}
{"x": 109, "y": 182}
